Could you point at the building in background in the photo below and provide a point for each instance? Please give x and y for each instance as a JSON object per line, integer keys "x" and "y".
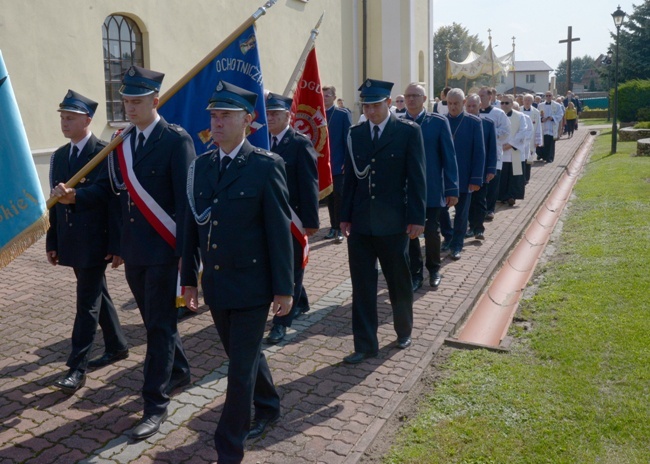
{"x": 531, "y": 76}
{"x": 50, "y": 47}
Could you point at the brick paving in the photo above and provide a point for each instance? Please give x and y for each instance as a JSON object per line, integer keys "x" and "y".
{"x": 331, "y": 411}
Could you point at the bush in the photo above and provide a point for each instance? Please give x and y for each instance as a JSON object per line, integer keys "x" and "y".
{"x": 642, "y": 125}
{"x": 643, "y": 114}
{"x": 632, "y": 96}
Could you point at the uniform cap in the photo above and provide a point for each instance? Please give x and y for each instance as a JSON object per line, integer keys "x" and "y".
{"x": 138, "y": 82}
{"x": 228, "y": 96}
{"x": 375, "y": 91}
{"x": 77, "y": 103}
{"x": 275, "y": 102}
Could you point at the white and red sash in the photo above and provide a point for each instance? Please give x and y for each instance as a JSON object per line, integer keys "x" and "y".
{"x": 152, "y": 211}
{"x": 298, "y": 232}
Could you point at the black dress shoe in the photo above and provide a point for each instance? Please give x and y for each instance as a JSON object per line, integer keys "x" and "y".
{"x": 259, "y": 425}
{"x": 148, "y": 426}
{"x": 339, "y": 236}
{"x": 479, "y": 236}
{"x": 445, "y": 246}
{"x": 356, "y": 357}
{"x": 331, "y": 234}
{"x": 108, "y": 358}
{"x": 73, "y": 381}
{"x": 489, "y": 216}
{"x": 434, "y": 279}
{"x": 417, "y": 283}
{"x": 276, "y": 334}
{"x": 404, "y": 342}
{"x": 177, "y": 383}
{"x": 455, "y": 255}
{"x": 469, "y": 233}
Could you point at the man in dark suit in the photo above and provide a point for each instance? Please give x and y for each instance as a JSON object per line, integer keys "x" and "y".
{"x": 300, "y": 159}
{"x": 339, "y": 121}
{"x": 478, "y": 203}
{"x": 152, "y": 176}
{"x": 442, "y": 183}
{"x": 384, "y": 199}
{"x": 85, "y": 241}
{"x": 240, "y": 219}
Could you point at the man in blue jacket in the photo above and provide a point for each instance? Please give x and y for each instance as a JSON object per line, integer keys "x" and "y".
{"x": 442, "y": 183}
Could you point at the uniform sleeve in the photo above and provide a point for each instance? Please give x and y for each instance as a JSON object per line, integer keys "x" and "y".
{"x": 416, "y": 175}
{"x": 349, "y": 185}
{"x": 181, "y": 159}
{"x": 308, "y": 185}
{"x": 277, "y": 220}
{"x": 449, "y": 163}
{"x": 190, "y": 251}
{"x": 478, "y": 155}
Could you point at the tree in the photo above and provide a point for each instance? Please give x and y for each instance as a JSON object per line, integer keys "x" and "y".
{"x": 458, "y": 40}
{"x": 579, "y": 66}
{"x": 634, "y": 44}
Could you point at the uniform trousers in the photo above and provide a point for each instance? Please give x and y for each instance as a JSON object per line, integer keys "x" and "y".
{"x": 392, "y": 253}
{"x": 431, "y": 246}
{"x": 478, "y": 209}
{"x": 154, "y": 290}
{"x": 94, "y": 306}
{"x": 249, "y": 379}
{"x": 493, "y": 192}
{"x": 460, "y": 221}
{"x": 300, "y": 300}
{"x": 334, "y": 201}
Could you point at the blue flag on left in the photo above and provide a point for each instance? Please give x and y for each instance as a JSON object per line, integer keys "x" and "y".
{"x": 22, "y": 206}
{"x": 239, "y": 64}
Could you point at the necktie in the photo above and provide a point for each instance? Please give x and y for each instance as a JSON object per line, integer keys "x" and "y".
{"x": 72, "y": 160}
{"x": 140, "y": 142}
{"x": 275, "y": 143}
{"x": 225, "y": 161}
{"x": 375, "y": 135}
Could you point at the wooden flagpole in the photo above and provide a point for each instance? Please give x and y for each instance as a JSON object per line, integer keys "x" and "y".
{"x": 303, "y": 58}
{"x": 92, "y": 164}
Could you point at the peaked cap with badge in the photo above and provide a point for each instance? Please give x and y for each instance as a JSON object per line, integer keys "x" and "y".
{"x": 138, "y": 82}
{"x": 275, "y": 102}
{"x": 375, "y": 91}
{"x": 74, "y": 102}
{"x": 229, "y": 97}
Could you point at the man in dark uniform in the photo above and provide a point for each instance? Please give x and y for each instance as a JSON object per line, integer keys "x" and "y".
{"x": 86, "y": 241}
{"x": 300, "y": 159}
{"x": 240, "y": 219}
{"x": 152, "y": 176}
{"x": 442, "y": 183}
{"x": 339, "y": 121}
{"x": 384, "y": 199}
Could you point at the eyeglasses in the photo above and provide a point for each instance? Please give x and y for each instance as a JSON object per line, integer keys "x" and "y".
{"x": 414, "y": 95}
{"x": 549, "y": 95}
{"x": 399, "y": 101}
{"x": 506, "y": 103}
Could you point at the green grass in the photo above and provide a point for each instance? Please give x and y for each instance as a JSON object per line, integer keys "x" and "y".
{"x": 576, "y": 387}
{"x": 593, "y": 122}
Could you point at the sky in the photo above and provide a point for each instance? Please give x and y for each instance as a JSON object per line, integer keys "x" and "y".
{"x": 537, "y": 25}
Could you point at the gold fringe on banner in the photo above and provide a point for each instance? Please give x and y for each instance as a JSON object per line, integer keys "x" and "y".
{"x": 24, "y": 240}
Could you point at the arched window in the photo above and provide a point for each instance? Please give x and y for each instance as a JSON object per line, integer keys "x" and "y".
{"x": 122, "y": 42}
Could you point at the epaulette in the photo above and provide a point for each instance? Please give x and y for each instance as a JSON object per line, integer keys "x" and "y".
{"x": 305, "y": 136}
{"x": 406, "y": 121}
{"x": 261, "y": 151}
{"x": 177, "y": 128}
{"x": 436, "y": 115}
{"x": 473, "y": 116}
{"x": 354, "y": 126}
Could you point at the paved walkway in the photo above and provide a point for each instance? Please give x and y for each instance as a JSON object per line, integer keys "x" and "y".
{"x": 331, "y": 411}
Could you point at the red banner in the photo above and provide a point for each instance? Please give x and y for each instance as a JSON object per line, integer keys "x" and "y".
{"x": 308, "y": 117}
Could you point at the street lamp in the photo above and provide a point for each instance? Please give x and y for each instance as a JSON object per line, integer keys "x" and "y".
{"x": 607, "y": 62}
{"x": 619, "y": 16}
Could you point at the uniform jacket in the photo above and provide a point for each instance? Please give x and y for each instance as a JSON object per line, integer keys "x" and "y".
{"x": 246, "y": 245}
{"x": 441, "y": 167}
{"x": 338, "y": 125}
{"x": 81, "y": 238}
{"x": 301, "y": 160}
{"x": 161, "y": 169}
{"x": 381, "y": 203}
{"x": 470, "y": 149}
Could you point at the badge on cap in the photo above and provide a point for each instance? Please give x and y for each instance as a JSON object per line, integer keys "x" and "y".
{"x": 368, "y": 83}
{"x": 219, "y": 86}
{"x": 131, "y": 72}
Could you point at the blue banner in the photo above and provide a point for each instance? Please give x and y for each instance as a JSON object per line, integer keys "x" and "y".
{"x": 238, "y": 64}
{"x": 22, "y": 206}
